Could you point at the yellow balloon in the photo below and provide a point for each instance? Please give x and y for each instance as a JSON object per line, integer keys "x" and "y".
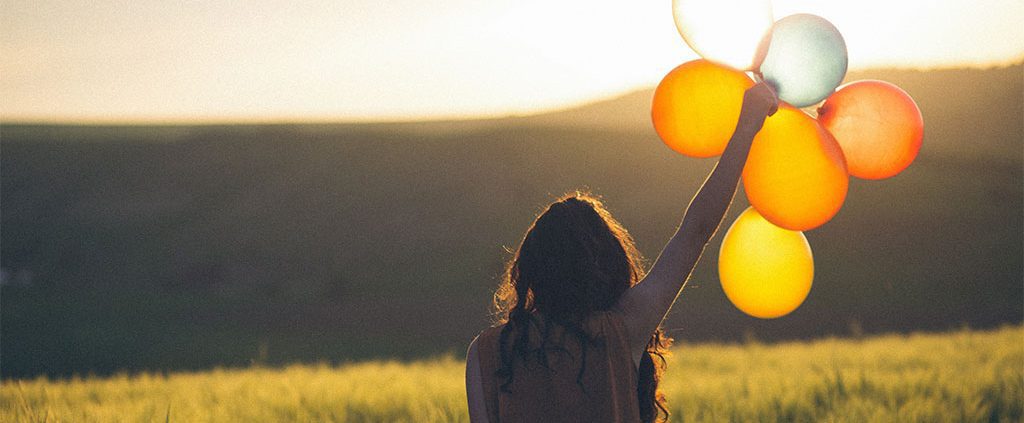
{"x": 795, "y": 175}
{"x": 766, "y": 271}
{"x": 696, "y": 107}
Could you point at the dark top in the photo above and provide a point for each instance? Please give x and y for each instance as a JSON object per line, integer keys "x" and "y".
{"x": 539, "y": 394}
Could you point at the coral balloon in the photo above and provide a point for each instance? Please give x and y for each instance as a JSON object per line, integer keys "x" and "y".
{"x": 878, "y": 126}
{"x": 806, "y": 59}
{"x": 766, "y": 271}
{"x": 697, "y": 105}
{"x": 795, "y": 175}
{"x": 724, "y": 31}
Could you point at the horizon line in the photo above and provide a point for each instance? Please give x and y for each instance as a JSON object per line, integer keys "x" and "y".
{"x": 284, "y": 120}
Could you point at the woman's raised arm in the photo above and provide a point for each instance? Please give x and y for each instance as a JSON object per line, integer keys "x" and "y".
{"x": 646, "y": 304}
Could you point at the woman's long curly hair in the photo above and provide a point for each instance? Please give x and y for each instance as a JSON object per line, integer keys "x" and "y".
{"x": 575, "y": 259}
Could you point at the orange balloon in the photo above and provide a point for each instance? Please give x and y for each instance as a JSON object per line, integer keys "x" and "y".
{"x": 766, "y": 271}
{"x": 795, "y": 175}
{"x": 697, "y": 105}
{"x": 878, "y": 126}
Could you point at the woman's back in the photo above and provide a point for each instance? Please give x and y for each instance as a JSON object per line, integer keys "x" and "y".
{"x": 604, "y": 390}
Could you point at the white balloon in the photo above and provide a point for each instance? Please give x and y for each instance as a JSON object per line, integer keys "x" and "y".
{"x": 724, "y": 31}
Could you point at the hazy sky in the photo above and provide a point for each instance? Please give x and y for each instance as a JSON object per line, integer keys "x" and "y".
{"x": 157, "y": 60}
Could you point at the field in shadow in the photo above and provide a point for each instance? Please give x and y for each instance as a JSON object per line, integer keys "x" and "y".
{"x": 182, "y": 247}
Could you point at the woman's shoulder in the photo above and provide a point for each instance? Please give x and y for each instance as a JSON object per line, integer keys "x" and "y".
{"x": 486, "y": 336}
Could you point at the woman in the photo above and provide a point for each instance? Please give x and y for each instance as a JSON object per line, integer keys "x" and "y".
{"x": 580, "y": 322}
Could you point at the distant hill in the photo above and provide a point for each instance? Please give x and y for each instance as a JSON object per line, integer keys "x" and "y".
{"x": 991, "y": 101}
{"x": 193, "y": 246}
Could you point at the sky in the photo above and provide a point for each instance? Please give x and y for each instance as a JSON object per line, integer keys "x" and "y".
{"x": 361, "y": 60}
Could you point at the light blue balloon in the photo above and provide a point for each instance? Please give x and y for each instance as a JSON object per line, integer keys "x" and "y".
{"x": 806, "y": 59}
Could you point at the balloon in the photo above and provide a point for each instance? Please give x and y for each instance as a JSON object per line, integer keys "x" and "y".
{"x": 795, "y": 175}
{"x": 697, "y": 105}
{"x": 806, "y": 59}
{"x": 766, "y": 271}
{"x": 724, "y": 31}
{"x": 878, "y": 126}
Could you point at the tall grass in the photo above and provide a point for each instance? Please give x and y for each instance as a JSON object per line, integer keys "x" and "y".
{"x": 960, "y": 376}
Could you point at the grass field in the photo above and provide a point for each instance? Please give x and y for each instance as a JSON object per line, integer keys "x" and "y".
{"x": 970, "y": 376}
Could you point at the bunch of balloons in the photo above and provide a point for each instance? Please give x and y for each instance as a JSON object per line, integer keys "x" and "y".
{"x": 797, "y": 174}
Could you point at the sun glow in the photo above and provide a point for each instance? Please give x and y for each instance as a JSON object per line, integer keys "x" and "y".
{"x": 152, "y": 60}
{"x": 922, "y": 33}
{"x": 725, "y": 31}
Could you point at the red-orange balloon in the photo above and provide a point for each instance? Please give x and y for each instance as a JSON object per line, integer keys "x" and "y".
{"x": 795, "y": 175}
{"x": 878, "y": 126}
{"x": 697, "y": 105}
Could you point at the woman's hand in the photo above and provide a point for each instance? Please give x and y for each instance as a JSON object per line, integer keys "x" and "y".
{"x": 761, "y": 99}
{"x": 759, "y": 102}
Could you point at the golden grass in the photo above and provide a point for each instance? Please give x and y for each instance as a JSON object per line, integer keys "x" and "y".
{"x": 958, "y": 376}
